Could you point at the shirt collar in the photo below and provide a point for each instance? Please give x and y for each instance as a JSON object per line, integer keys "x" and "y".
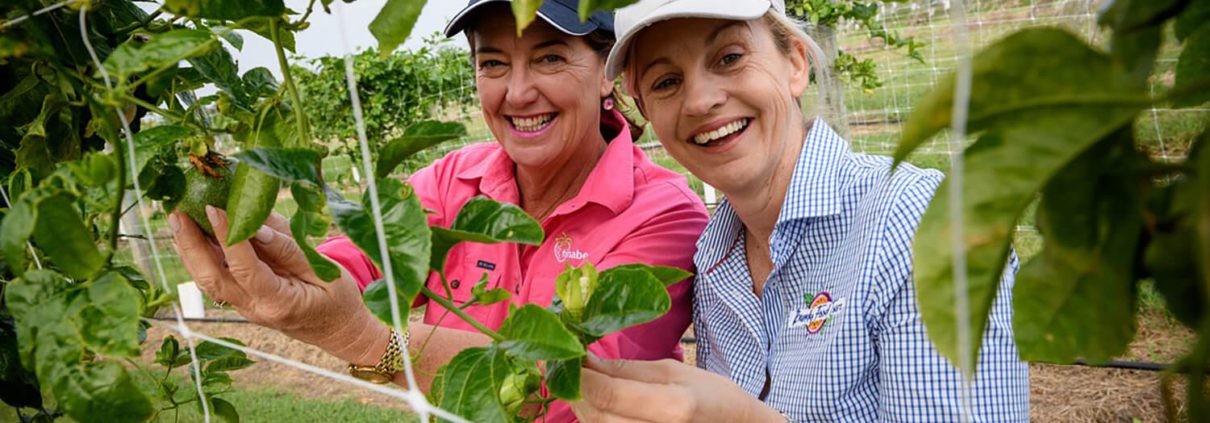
{"x": 610, "y": 184}
{"x": 814, "y": 189}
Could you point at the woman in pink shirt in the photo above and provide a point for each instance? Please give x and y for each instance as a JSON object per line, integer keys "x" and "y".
{"x": 563, "y": 153}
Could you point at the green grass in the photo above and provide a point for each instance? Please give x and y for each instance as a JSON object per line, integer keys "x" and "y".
{"x": 270, "y": 405}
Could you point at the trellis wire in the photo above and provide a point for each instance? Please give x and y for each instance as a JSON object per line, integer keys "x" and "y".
{"x": 957, "y": 144}
{"x": 146, "y": 224}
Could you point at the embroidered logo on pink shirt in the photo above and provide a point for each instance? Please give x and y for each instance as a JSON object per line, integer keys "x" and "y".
{"x": 564, "y": 251}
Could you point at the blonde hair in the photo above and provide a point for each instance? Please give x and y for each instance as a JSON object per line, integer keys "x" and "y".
{"x": 784, "y": 29}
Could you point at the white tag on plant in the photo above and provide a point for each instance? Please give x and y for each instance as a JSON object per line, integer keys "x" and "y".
{"x": 192, "y": 304}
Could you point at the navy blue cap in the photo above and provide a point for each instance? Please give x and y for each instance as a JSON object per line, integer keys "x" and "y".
{"x": 561, "y": 14}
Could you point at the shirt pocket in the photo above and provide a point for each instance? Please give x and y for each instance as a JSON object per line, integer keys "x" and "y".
{"x": 462, "y": 279}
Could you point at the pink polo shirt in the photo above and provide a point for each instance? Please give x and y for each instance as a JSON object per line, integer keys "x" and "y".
{"x": 629, "y": 211}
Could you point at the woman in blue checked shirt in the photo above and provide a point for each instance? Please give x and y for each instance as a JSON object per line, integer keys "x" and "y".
{"x": 804, "y": 306}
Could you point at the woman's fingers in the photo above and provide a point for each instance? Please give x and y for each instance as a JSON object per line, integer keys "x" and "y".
{"x": 242, "y": 262}
{"x": 662, "y": 371}
{"x": 278, "y": 223}
{"x": 201, "y": 262}
{"x": 282, "y": 253}
{"x": 632, "y": 399}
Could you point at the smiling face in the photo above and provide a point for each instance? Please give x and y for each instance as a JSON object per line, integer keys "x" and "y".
{"x": 541, "y": 93}
{"x": 721, "y": 96}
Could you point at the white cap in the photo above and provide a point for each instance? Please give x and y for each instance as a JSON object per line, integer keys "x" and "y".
{"x": 629, "y": 20}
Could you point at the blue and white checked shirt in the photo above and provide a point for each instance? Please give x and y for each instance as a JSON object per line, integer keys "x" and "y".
{"x": 844, "y": 239}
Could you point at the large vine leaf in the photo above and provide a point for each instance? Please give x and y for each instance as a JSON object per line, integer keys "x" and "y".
{"x": 288, "y": 164}
{"x": 623, "y": 298}
{"x": 226, "y": 10}
{"x": 469, "y": 385}
{"x": 1193, "y": 69}
{"x": 102, "y": 392}
{"x": 415, "y": 138}
{"x": 219, "y": 67}
{"x": 394, "y": 23}
{"x": 109, "y": 324}
{"x": 61, "y": 233}
{"x": 1042, "y": 97}
{"x": 485, "y": 221}
{"x": 16, "y": 229}
{"x": 162, "y": 50}
{"x": 406, "y": 230}
{"x": 250, "y": 202}
{"x": 1089, "y": 216}
{"x": 309, "y": 220}
{"x": 534, "y": 333}
{"x": 563, "y": 379}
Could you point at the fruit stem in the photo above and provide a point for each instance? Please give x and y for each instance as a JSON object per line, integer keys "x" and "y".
{"x": 119, "y": 195}
{"x": 288, "y": 80}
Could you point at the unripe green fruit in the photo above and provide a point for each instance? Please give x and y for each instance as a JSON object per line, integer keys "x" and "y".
{"x": 202, "y": 190}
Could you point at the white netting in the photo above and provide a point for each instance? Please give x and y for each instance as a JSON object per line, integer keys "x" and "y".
{"x": 950, "y": 30}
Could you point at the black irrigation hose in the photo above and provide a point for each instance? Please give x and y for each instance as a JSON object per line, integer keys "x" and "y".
{"x": 1112, "y": 364}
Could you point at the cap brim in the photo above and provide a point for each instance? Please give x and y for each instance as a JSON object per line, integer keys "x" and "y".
{"x": 709, "y": 9}
{"x": 557, "y": 15}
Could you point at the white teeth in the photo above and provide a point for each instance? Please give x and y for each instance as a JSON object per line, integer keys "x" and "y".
{"x": 531, "y": 124}
{"x": 728, "y": 129}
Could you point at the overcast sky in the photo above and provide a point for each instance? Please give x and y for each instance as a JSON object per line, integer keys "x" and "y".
{"x": 323, "y": 37}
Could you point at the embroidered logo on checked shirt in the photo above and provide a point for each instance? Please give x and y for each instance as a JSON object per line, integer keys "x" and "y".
{"x": 564, "y": 251}
{"x": 819, "y": 310}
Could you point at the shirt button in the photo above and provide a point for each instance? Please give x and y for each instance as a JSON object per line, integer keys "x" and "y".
{"x": 455, "y": 284}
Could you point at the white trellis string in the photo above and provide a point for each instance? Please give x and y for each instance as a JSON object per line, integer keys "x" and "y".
{"x": 155, "y": 255}
{"x": 957, "y": 143}
{"x": 340, "y": 377}
{"x": 5, "y": 24}
{"x": 415, "y": 399}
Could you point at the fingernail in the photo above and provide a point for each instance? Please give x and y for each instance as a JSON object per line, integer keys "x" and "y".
{"x": 264, "y": 234}
{"x": 174, "y": 222}
{"x": 212, "y": 213}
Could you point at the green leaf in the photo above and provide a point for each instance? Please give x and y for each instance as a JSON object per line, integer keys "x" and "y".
{"x": 378, "y": 299}
{"x": 250, "y": 202}
{"x": 61, "y": 233}
{"x": 666, "y": 275}
{"x": 525, "y": 11}
{"x": 563, "y": 379}
{"x": 1195, "y": 16}
{"x": 16, "y": 229}
{"x": 159, "y": 136}
{"x": 109, "y": 325}
{"x": 224, "y": 409}
{"x": 470, "y": 383}
{"x": 485, "y": 221}
{"x": 534, "y": 333}
{"x": 24, "y": 294}
{"x": 102, "y": 392}
{"x": 1041, "y": 97}
{"x": 1031, "y": 84}
{"x": 484, "y": 296}
{"x": 1089, "y": 219}
{"x": 169, "y": 352}
{"x": 310, "y": 221}
{"x": 219, "y": 67}
{"x": 394, "y": 23}
{"x": 624, "y": 298}
{"x": 587, "y": 7}
{"x": 225, "y": 10}
{"x": 207, "y": 350}
{"x": 288, "y": 164}
{"x": 406, "y": 231}
{"x": 161, "y": 50}
{"x": 1193, "y": 69}
{"x": 260, "y": 26}
{"x": 260, "y": 82}
{"x": 1131, "y": 15}
{"x": 416, "y": 138}
{"x": 229, "y": 363}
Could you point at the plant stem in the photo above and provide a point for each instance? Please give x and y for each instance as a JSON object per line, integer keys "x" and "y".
{"x": 288, "y": 80}
{"x": 461, "y": 314}
{"x": 118, "y": 195}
